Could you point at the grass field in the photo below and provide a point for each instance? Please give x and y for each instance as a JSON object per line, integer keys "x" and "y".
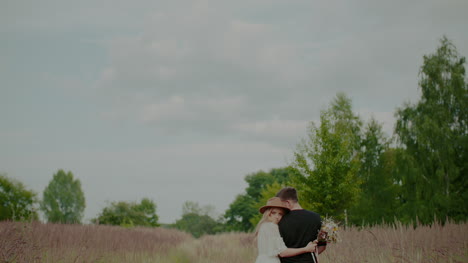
{"x": 37, "y": 242}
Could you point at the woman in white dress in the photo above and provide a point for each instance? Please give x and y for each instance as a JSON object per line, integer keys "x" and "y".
{"x": 270, "y": 244}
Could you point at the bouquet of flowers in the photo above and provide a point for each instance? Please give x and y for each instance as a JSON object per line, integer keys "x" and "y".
{"x": 329, "y": 231}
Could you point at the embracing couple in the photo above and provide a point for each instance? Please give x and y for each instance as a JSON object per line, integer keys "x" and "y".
{"x": 287, "y": 232}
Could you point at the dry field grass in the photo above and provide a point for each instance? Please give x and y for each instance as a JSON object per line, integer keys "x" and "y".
{"x": 424, "y": 244}
{"x": 37, "y": 242}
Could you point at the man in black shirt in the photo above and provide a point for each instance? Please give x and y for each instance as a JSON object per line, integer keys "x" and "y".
{"x": 298, "y": 227}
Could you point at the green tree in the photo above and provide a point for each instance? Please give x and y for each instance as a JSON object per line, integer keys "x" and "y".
{"x": 434, "y": 132}
{"x": 197, "y": 221}
{"x": 328, "y": 161}
{"x": 129, "y": 214}
{"x": 16, "y": 202}
{"x": 373, "y": 146}
{"x": 378, "y": 199}
{"x": 193, "y": 207}
{"x": 63, "y": 200}
{"x": 240, "y": 212}
{"x": 408, "y": 177}
{"x": 148, "y": 209}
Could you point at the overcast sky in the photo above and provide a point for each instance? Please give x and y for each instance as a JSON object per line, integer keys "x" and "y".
{"x": 180, "y": 100}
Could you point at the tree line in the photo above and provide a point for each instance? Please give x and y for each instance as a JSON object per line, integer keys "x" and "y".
{"x": 346, "y": 167}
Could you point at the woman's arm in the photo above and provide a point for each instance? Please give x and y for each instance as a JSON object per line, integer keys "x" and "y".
{"x": 290, "y": 252}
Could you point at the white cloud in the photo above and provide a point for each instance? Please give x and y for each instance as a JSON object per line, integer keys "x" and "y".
{"x": 243, "y": 74}
{"x": 63, "y": 16}
{"x": 173, "y": 109}
{"x": 273, "y": 128}
{"x": 195, "y": 108}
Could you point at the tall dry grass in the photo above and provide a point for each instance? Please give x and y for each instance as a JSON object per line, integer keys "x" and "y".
{"x": 225, "y": 248}
{"x": 36, "y": 242}
{"x": 400, "y": 243}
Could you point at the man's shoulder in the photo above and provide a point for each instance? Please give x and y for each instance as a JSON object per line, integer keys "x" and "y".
{"x": 313, "y": 213}
{"x": 298, "y": 216}
{"x": 305, "y": 212}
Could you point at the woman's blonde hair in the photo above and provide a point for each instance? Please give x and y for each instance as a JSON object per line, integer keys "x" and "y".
{"x": 265, "y": 218}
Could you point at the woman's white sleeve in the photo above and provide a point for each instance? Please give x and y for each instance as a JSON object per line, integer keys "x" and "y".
{"x": 272, "y": 239}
